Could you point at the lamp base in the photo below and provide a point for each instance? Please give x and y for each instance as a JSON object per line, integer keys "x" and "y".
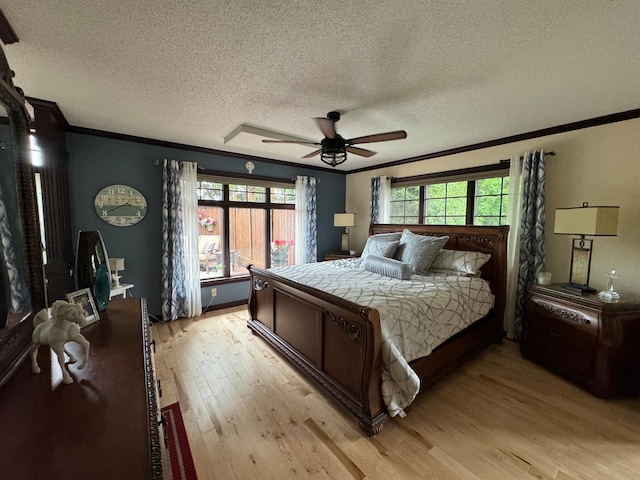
{"x": 577, "y": 288}
{"x": 345, "y": 242}
{"x": 609, "y": 296}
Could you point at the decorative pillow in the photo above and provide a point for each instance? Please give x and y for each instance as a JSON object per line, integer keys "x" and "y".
{"x": 387, "y": 267}
{"x": 461, "y": 261}
{"x": 382, "y": 249}
{"x": 379, "y": 245}
{"x": 419, "y": 250}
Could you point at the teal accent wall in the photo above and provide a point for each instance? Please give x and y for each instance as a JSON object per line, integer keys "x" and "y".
{"x": 95, "y": 162}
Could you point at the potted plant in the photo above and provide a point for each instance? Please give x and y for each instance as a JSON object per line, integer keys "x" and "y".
{"x": 208, "y": 222}
{"x": 279, "y": 252}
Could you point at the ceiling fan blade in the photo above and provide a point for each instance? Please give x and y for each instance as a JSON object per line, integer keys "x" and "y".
{"x": 378, "y": 137}
{"x": 326, "y": 126}
{"x": 361, "y": 151}
{"x": 290, "y": 141}
{"x": 312, "y": 154}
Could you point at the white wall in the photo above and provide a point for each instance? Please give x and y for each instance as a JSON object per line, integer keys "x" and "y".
{"x": 598, "y": 165}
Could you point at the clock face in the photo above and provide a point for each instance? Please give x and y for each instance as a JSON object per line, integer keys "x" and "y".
{"x": 120, "y": 205}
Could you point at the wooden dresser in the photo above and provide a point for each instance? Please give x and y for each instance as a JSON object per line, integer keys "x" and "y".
{"x": 594, "y": 343}
{"x": 102, "y": 426}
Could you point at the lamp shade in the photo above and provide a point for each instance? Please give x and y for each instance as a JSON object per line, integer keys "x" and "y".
{"x": 116, "y": 264}
{"x": 344, "y": 219}
{"x": 587, "y": 221}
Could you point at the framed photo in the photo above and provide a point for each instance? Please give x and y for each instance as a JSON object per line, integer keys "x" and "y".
{"x": 84, "y": 298}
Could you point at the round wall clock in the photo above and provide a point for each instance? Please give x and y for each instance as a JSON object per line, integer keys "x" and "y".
{"x": 120, "y": 205}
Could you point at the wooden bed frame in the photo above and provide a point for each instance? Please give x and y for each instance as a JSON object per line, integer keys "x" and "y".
{"x": 337, "y": 343}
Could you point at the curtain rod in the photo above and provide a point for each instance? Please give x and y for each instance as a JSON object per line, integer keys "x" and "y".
{"x": 550, "y": 154}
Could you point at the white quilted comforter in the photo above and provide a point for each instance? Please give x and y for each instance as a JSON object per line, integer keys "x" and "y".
{"x": 416, "y": 315}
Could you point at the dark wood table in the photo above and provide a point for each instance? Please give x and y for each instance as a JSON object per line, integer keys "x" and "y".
{"x": 592, "y": 342}
{"x": 104, "y": 424}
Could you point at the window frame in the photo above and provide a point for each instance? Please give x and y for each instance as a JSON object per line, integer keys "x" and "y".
{"x": 226, "y": 205}
{"x": 470, "y": 175}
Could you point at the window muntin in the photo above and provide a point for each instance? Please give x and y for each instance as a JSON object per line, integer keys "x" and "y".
{"x": 209, "y": 190}
{"x": 247, "y": 193}
{"x": 446, "y": 203}
{"x": 405, "y": 204}
{"x": 283, "y": 195}
{"x": 491, "y": 199}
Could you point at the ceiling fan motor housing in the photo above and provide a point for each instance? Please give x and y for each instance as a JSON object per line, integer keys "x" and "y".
{"x": 334, "y": 116}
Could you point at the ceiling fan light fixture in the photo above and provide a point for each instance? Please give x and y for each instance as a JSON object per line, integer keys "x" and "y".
{"x": 333, "y": 156}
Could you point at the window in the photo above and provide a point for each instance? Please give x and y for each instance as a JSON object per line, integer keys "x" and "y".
{"x": 476, "y": 196}
{"x": 492, "y": 196}
{"x": 244, "y": 221}
{"x": 445, "y": 203}
{"x": 405, "y": 204}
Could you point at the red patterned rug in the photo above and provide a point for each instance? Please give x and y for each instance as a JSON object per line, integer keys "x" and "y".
{"x": 181, "y": 461}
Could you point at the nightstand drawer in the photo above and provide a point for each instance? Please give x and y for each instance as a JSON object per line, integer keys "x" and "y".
{"x": 571, "y": 326}
{"x": 558, "y": 355}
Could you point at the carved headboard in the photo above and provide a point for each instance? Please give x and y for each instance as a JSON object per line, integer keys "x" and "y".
{"x": 483, "y": 239}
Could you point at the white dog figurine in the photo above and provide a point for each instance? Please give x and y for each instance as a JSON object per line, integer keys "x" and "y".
{"x": 63, "y": 327}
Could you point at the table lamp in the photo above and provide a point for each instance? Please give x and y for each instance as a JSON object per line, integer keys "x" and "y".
{"x": 582, "y": 221}
{"x": 116, "y": 265}
{"x": 344, "y": 220}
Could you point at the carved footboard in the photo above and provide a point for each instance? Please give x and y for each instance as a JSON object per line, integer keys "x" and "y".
{"x": 335, "y": 342}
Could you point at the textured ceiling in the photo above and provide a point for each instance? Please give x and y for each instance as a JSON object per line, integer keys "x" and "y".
{"x": 450, "y": 73}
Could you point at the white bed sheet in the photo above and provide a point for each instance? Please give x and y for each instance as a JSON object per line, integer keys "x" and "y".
{"x": 416, "y": 315}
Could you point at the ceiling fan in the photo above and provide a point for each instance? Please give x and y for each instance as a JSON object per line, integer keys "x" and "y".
{"x": 333, "y": 148}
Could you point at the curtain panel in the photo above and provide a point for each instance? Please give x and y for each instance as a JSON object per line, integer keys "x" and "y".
{"x": 380, "y": 199}
{"x": 180, "y": 275}
{"x": 189, "y": 183}
{"x": 526, "y": 246}
{"x": 375, "y": 200}
{"x": 306, "y": 244}
{"x": 19, "y": 299}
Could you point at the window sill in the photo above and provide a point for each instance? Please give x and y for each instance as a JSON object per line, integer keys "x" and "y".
{"x": 208, "y": 282}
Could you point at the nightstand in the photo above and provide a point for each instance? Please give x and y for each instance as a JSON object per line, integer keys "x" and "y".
{"x": 593, "y": 343}
{"x": 338, "y": 256}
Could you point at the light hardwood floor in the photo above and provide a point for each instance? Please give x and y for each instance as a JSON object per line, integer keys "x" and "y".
{"x": 250, "y": 415}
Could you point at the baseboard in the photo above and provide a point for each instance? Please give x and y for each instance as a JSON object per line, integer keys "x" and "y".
{"x": 222, "y": 306}
{"x": 211, "y": 308}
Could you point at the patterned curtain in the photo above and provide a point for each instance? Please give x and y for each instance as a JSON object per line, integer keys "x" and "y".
{"x": 375, "y": 200}
{"x": 530, "y": 235}
{"x": 312, "y": 228}
{"x": 19, "y": 293}
{"x": 174, "y": 294}
{"x": 306, "y": 229}
{"x": 380, "y": 199}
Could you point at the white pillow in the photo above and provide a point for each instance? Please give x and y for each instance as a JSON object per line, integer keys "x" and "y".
{"x": 387, "y": 267}
{"x": 382, "y": 245}
{"x": 460, "y": 261}
{"x": 419, "y": 250}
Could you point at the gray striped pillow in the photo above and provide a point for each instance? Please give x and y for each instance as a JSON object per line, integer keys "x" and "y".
{"x": 387, "y": 267}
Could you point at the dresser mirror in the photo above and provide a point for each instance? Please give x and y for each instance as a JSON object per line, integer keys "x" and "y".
{"x": 22, "y": 291}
